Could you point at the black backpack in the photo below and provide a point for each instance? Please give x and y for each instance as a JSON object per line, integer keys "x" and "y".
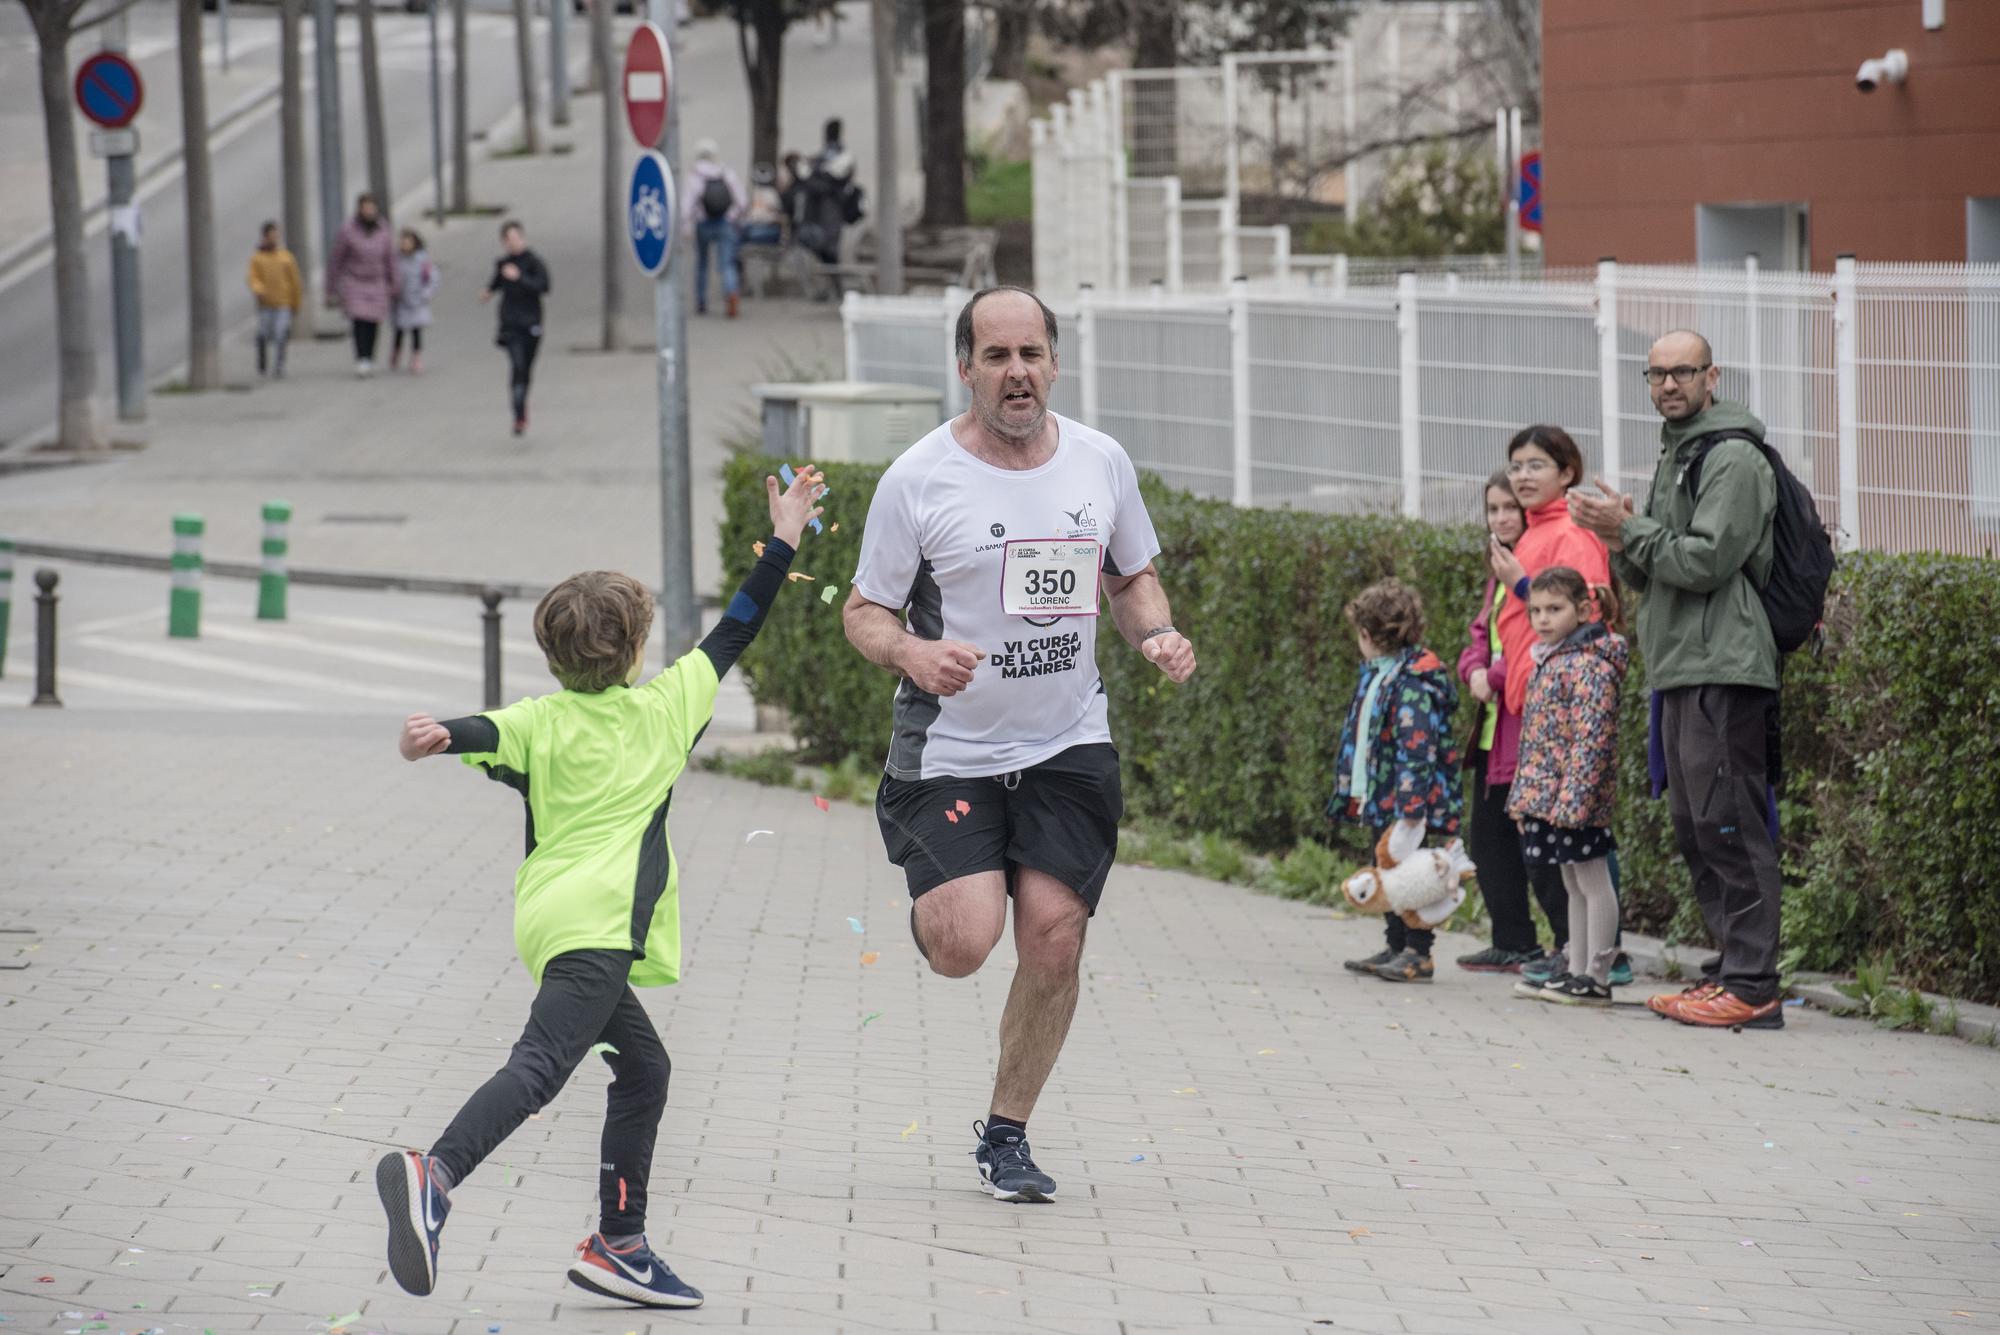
{"x": 851, "y": 210}
{"x": 716, "y": 198}
{"x": 1802, "y": 559}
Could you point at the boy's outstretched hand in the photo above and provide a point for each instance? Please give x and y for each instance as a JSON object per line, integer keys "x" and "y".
{"x": 792, "y": 509}
{"x": 423, "y": 736}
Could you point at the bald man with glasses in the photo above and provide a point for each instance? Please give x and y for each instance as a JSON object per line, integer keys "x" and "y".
{"x": 1698, "y": 553}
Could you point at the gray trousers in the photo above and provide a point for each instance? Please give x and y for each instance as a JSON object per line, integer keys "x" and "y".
{"x": 274, "y": 329}
{"x": 1715, "y": 743}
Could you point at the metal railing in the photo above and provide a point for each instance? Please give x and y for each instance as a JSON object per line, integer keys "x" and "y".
{"x": 1879, "y": 384}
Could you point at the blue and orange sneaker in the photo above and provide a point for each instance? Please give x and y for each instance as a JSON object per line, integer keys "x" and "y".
{"x": 416, "y": 1206}
{"x": 635, "y": 1275}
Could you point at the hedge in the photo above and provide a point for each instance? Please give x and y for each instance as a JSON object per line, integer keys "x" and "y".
{"x": 1891, "y": 812}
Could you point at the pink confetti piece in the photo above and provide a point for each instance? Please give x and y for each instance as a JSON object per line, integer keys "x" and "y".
{"x": 822, "y": 803}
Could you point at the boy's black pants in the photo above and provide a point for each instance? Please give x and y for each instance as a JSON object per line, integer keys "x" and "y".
{"x": 584, "y": 1000}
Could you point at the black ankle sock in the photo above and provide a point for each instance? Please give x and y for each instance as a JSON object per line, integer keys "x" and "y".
{"x": 1004, "y": 1130}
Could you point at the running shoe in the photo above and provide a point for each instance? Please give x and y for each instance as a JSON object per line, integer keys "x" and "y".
{"x": 635, "y": 1275}
{"x": 1372, "y": 963}
{"x": 416, "y": 1206}
{"x": 1668, "y": 1004}
{"x": 1407, "y": 967}
{"x": 1006, "y": 1170}
{"x": 1726, "y": 1010}
{"x": 1554, "y": 964}
{"x": 1495, "y": 960}
{"x": 1538, "y": 988}
{"x": 1579, "y": 989}
{"x": 1621, "y": 971}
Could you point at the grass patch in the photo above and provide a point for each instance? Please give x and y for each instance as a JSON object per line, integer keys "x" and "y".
{"x": 1002, "y": 190}
{"x": 1878, "y": 998}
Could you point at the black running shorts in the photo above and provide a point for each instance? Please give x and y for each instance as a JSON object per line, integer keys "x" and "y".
{"x": 1059, "y": 817}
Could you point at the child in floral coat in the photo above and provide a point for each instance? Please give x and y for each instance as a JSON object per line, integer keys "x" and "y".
{"x": 1566, "y": 779}
{"x": 1398, "y": 766}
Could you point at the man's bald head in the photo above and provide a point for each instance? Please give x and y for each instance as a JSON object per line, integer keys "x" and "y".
{"x": 1681, "y": 373}
{"x": 1682, "y": 347}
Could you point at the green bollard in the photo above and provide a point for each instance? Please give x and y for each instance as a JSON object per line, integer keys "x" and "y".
{"x": 184, "y": 601}
{"x": 274, "y": 580}
{"x": 6, "y": 595}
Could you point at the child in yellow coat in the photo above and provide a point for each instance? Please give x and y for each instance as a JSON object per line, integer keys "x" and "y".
{"x": 281, "y": 295}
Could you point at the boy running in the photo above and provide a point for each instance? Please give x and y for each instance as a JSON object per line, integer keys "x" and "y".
{"x": 596, "y": 902}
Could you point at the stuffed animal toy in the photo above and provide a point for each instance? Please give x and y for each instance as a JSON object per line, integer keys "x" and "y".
{"x": 1425, "y": 888}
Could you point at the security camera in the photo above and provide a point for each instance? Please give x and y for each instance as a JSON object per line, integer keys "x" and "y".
{"x": 1891, "y": 67}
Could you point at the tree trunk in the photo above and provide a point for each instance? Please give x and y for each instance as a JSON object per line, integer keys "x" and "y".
{"x": 1012, "y": 24}
{"x": 76, "y": 378}
{"x": 371, "y": 107}
{"x": 612, "y": 205}
{"x": 204, "y": 320}
{"x": 944, "y": 113}
{"x": 461, "y": 134}
{"x": 292, "y": 145}
{"x": 524, "y": 62}
{"x": 763, "y": 69}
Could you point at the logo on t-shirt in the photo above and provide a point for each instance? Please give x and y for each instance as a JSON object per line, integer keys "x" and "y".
{"x": 998, "y": 530}
{"x": 1081, "y": 521}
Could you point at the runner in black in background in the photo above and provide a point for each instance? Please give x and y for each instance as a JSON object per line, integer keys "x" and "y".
{"x": 522, "y": 280}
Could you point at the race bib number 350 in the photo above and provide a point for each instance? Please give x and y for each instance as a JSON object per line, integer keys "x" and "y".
{"x": 1050, "y": 578}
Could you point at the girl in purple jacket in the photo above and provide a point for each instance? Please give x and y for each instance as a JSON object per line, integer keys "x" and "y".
{"x": 1490, "y": 756}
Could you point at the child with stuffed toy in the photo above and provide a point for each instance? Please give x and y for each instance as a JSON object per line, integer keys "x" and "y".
{"x": 1397, "y": 773}
{"x": 1567, "y": 775}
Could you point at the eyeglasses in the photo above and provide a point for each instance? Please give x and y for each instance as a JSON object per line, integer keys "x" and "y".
{"x": 1520, "y": 466}
{"x": 1683, "y": 375}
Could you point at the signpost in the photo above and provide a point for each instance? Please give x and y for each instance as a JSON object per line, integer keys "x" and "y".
{"x": 110, "y": 92}
{"x": 649, "y": 211}
{"x": 1531, "y": 190}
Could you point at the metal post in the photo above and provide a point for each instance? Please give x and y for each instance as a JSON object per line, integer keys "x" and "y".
{"x": 490, "y": 646}
{"x": 1753, "y": 365}
{"x": 1121, "y": 196}
{"x": 222, "y": 31}
{"x": 1514, "y": 192}
{"x": 1847, "y": 375}
{"x": 1409, "y": 409}
{"x": 850, "y": 335}
{"x": 559, "y": 63}
{"x": 45, "y": 639}
{"x": 681, "y": 623}
{"x": 1239, "y": 382}
{"x": 274, "y": 580}
{"x": 326, "y": 90}
{"x": 1232, "y": 185}
{"x": 1172, "y": 204}
{"x": 6, "y": 596}
{"x": 437, "y": 112}
{"x": 184, "y": 592}
{"x": 461, "y": 114}
{"x": 127, "y": 309}
{"x": 1340, "y": 275}
{"x": 888, "y": 210}
{"x": 1086, "y": 353}
{"x": 1609, "y": 390}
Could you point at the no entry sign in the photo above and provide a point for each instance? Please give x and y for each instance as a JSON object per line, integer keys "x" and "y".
{"x": 648, "y": 69}
{"x": 109, "y": 90}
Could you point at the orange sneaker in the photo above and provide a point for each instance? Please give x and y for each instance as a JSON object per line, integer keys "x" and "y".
{"x": 1726, "y": 1010}
{"x": 1669, "y": 1003}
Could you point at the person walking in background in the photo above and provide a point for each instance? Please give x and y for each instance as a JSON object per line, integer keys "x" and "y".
{"x": 764, "y": 221}
{"x": 361, "y": 278}
{"x": 281, "y": 296}
{"x": 1567, "y": 782}
{"x": 1490, "y": 759}
{"x": 714, "y": 205}
{"x": 522, "y": 280}
{"x": 416, "y": 284}
{"x": 830, "y": 199}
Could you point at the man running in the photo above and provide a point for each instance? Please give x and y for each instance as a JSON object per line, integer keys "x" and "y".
{"x": 996, "y": 531}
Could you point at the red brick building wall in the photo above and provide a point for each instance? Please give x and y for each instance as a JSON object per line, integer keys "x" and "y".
{"x": 1651, "y": 109}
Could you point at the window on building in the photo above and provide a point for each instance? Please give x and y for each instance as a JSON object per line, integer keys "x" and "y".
{"x": 1727, "y": 234}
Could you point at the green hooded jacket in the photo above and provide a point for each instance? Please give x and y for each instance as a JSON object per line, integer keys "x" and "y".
{"x": 1697, "y": 563}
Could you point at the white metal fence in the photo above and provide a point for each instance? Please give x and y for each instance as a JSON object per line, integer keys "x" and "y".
{"x": 1880, "y": 384}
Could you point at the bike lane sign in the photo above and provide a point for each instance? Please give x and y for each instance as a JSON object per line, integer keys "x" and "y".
{"x": 650, "y": 211}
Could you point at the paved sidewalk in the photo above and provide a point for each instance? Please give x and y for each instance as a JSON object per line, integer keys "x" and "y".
{"x": 264, "y": 949}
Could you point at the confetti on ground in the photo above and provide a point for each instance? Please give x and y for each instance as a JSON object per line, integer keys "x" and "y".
{"x": 822, "y": 803}
{"x": 1267, "y": 1052}
{"x": 596, "y": 1048}
{"x": 796, "y": 575}
{"x": 909, "y": 1130}
{"x": 1769, "y": 1144}
{"x": 855, "y": 924}
{"x": 754, "y": 833}
{"x": 869, "y": 1018}
{"x": 829, "y": 593}
{"x": 1746, "y": 1242}
{"x": 1001, "y": 1293}
{"x": 338, "y": 1321}
{"x": 1189, "y": 1090}
{"x": 1138, "y": 1158}
{"x": 1356, "y": 1234}
{"x": 869, "y": 956}
{"x": 45, "y": 1279}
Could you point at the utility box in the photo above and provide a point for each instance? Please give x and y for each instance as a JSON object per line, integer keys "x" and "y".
{"x": 845, "y": 421}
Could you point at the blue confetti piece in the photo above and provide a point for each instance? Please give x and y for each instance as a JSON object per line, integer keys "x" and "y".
{"x": 1138, "y": 1158}
{"x": 786, "y": 476}
{"x": 855, "y": 923}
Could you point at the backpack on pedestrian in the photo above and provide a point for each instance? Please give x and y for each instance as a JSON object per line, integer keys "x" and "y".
{"x": 851, "y": 210}
{"x": 1802, "y": 558}
{"x": 716, "y": 199}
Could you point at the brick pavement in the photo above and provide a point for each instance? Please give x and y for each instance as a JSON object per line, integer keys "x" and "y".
{"x": 266, "y": 949}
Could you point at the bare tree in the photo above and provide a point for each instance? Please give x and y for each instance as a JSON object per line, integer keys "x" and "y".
{"x": 292, "y": 142}
{"x": 461, "y": 133}
{"x": 524, "y": 61}
{"x": 944, "y": 112}
{"x": 55, "y": 22}
{"x": 204, "y": 318}
{"x": 760, "y": 41}
{"x": 1013, "y": 22}
{"x": 612, "y": 204}
{"x": 371, "y": 106}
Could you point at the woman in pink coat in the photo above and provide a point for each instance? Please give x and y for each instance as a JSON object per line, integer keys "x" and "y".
{"x": 361, "y": 278}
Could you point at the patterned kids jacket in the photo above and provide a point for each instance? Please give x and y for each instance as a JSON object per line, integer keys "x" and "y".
{"x": 1413, "y": 761}
{"x": 1568, "y": 768}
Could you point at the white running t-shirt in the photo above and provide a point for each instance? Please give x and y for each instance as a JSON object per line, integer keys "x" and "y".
{"x": 937, "y": 542}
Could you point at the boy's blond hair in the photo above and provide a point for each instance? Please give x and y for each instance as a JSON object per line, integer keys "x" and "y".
{"x": 592, "y": 626}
